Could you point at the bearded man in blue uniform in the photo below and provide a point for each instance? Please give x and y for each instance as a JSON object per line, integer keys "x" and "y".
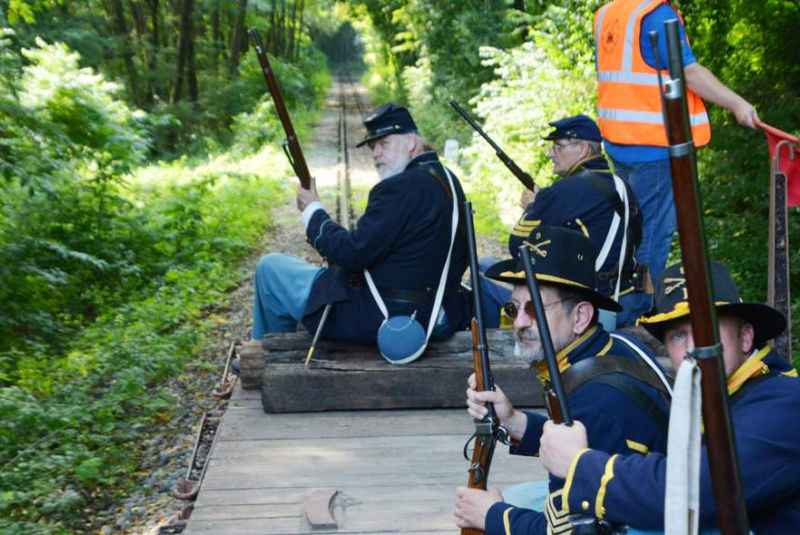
{"x": 764, "y": 396}
{"x": 402, "y": 239}
{"x": 624, "y": 403}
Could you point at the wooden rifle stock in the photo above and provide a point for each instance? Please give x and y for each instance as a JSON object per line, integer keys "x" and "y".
{"x": 487, "y": 431}
{"x": 512, "y": 166}
{"x": 291, "y": 146}
{"x": 554, "y": 395}
{"x": 721, "y": 447}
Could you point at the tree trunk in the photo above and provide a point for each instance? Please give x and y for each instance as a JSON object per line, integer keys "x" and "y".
{"x": 155, "y": 46}
{"x": 299, "y": 30}
{"x": 126, "y": 51}
{"x": 273, "y": 27}
{"x": 183, "y": 46}
{"x": 215, "y": 37}
{"x": 237, "y": 36}
{"x": 191, "y": 74}
{"x": 140, "y": 26}
{"x": 282, "y": 30}
{"x": 290, "y": 29}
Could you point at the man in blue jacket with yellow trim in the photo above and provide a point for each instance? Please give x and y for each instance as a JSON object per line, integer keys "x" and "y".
{"x": 764, "y": 394}
{"x": 590, "y": 199}
{"x": 403, "y": 239}
{"x": 612, "y": 381}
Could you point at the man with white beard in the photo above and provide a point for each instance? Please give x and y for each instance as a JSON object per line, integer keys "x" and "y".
{"x": 612, "y": 381}
{"x": 403, "y": 240}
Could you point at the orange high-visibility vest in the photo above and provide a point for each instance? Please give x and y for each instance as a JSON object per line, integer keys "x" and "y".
{"x": 629, "y": 100}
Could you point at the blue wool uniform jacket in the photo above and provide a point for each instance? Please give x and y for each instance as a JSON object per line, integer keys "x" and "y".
{"x": 768, "y": 444}
{"x": 614, "y": 423}
{"x": 402, "y": 239}
{"x": 574, "y": 203}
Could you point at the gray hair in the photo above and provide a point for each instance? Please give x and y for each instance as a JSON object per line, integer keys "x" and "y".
{"x": 595, "y": 147}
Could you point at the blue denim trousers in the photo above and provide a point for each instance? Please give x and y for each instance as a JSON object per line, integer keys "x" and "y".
{"x": 652, "y": 183}
{"x": 493, "y": 294}
{"x": 282, "y": 286}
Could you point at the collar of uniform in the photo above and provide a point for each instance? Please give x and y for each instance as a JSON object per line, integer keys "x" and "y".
{"x": 426, "y": 158}
{"x": 778, "y": 363}
{"x": 596, "y": 162}
{"x": 594, "y": 342}
{"x": 752, "y": 367}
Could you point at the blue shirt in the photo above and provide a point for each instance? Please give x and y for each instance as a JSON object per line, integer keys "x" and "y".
{"x": 652, "y": 21}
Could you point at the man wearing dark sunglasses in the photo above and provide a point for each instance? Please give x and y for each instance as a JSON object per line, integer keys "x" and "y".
{"x": 613, "y": 383}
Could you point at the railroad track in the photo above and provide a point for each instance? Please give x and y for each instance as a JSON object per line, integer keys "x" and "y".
{"x": 188, "y": 487}
{"x": 347, "y": 216}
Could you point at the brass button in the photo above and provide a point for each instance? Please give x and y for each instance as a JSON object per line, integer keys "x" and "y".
{"x": 585, "y": 505}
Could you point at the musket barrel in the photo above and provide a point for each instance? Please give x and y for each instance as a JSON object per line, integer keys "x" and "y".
{"x": 721, "y": 446}
{"x": 295, "y": 153}
{"x": 546, "y": 340}
{"x": 510, "y": 164}
{"x": 488, "y": 381}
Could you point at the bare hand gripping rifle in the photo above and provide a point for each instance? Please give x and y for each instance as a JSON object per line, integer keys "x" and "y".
{"x": 488, "y": 430}
{"x": 523, "y": 177}
{"x": 291, "y": 146}
{"x": 722, "y": 457}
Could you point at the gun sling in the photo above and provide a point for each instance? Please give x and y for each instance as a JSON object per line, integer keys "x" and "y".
{"x": 607, "y": 369}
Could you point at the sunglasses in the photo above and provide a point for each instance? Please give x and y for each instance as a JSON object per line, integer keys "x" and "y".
{"x": 512, "y": 311}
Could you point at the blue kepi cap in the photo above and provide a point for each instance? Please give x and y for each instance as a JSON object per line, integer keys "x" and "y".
{"x": 577, "y": 127}
{"x": 386, "y": 120}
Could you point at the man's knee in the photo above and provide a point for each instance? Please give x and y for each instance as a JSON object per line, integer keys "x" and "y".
{"x": 268, "y": 265}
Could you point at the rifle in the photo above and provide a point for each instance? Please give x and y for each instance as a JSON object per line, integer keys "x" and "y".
{"x": 291, "y": 146}
{"x": 487, "y": 431}
{"x": 523, "y": 177}
{"x": 554, "y": 396}
{"x": 722, "y": 457}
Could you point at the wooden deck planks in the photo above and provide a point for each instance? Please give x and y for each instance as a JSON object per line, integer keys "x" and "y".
{"x": 395, "y": 471}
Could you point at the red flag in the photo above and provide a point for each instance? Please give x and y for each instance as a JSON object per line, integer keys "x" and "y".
{"x": 786, "y": 164}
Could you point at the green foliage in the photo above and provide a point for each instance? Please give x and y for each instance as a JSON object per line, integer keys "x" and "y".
{"x": 107, "y": 271}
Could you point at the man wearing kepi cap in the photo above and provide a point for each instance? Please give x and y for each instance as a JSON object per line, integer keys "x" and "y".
{"x": 403, "y": 241}
{"x": 612, "y": 382}
{"x": 764, "y": 397}
{"x": 590, "y": 199}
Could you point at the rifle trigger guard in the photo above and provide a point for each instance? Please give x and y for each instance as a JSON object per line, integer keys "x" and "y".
{"x": 289, "y": 157}
{"x": 679, "y": 151}
{"x": 466, "y": 447}
{"x": 502, "y": 435}
{"x": 705, "y": 353}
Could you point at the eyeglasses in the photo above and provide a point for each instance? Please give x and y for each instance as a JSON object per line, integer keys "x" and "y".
{"x": 558, "y": 147}
{"x": 511, "y": 310}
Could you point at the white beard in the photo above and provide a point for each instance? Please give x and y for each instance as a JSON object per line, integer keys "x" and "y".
{"x": 388, "y": 172}
{"x": 533, "y": 355}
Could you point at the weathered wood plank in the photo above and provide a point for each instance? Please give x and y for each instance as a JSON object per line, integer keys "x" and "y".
{"x": 247, "y": 425}
{"x": 293, "y": 347}
{"x": 390, "y": 477}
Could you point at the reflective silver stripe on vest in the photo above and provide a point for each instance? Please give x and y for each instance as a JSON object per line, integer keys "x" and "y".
{"x": 636, "y": 78}
{"x": 599, "y": 24}
{"x": 627, "y": 51}
{"x": 647, "y": 117}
